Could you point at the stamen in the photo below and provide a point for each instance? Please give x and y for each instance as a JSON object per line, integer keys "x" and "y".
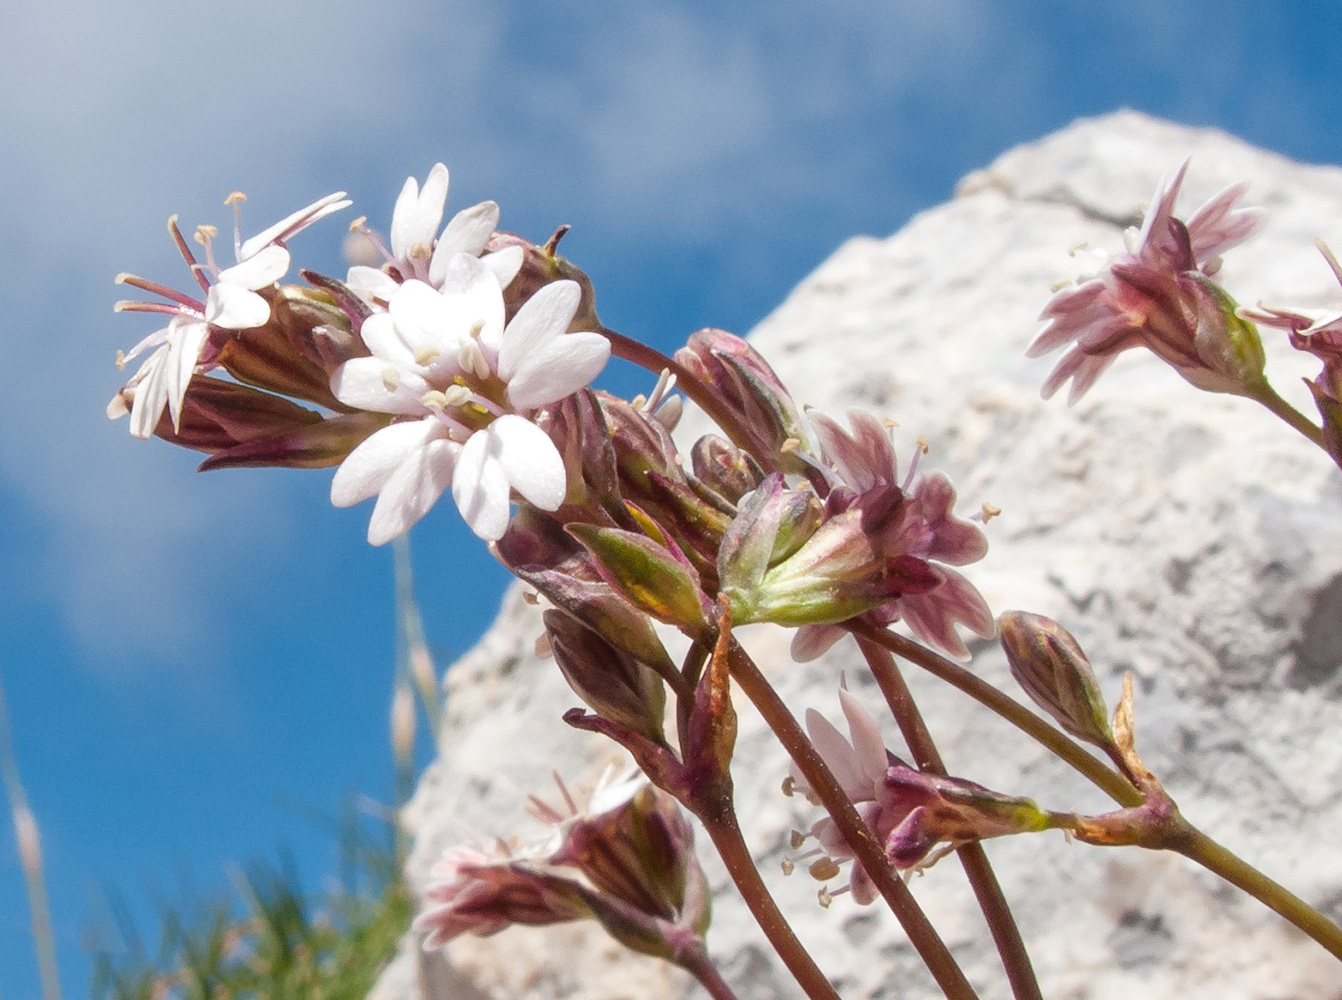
{"x": 186, "y": 253}
{"x": 477, "y": 328}
{"x": 789, "y": 786}
{"x": 543, "y": 648}
{"x": 457, "y": 395}
{"x": 434, "y": 399}
{"x": 391, "y": 378}
{"x": 205, "y": 233}
{"x": 530, "y": 597}
{"x": 825, "y": 897}
{"x": 1060, "y": 284}
{"x": 788, "y": 867}
{"x": 420, "y": 251}
{"x": 796, "y": 838}
{"x": 563, "y": 790}
{"x": 357, "y": 224}
{"x": 120, "y": 360}
{"x": 235, "y": 198}
{"x": 988, "y": 513}
{"x": 790, "y": 445}
{"x": 1077, "y": 247}
{"x": 472, "y": 359}
{"x": 823, "y": 870}
{"x": 425, "y": 354}
{"x": 889, "y": 424}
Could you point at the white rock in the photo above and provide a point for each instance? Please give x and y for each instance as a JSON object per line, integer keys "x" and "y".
{"x": 1188, "y": 538}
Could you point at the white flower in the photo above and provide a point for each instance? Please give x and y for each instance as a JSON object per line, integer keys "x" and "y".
{"x": 468, "y": 388}
{"x": 415, "y": 252}
{"x": 231, "y": 303}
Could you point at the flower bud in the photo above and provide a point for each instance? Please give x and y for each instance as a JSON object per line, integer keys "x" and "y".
{"x": 611, "y": 682}
{"x": 1052, "y": 668}
{"x": 724, "y": 467}
{"x": 653, "y": 577}
{"x": 771, "y": 524}
{"x": 541, "y": 266}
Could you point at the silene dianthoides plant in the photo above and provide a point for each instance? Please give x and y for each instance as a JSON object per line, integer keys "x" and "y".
{"x": 465, "y": 362}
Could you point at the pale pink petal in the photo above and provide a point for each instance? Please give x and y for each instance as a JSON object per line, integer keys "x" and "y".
{"x": 530, "y": 461}
{"x": 417, "y": 214}
{"x": 428, "y": 322}
{"x": 235, "y": 308}
{"x": 481, "y": 489}
{"x": 367, "y": 468}
{"x": 558, "y": 369}
{"x": 542, "y": 318}
{"x": 371, "y": 283}
{"x": 151, "y": 395}
{"x": 505, "y": 264}
{"x": 468, "y": 232}
{"x": 474, "y": 293}
{"x": 838, "y": 753}
{"x": 412, "y": 489}
{"x": 377, "y": 385}
{"x": 867, "y": 742}
{"x": 183, "y": 354}
{"x": 261, "y": 270}
{"x": 295, "y": 223}
{"x": 810, "y": 642}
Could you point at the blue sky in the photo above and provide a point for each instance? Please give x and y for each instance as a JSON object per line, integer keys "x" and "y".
{"x": 185, "y": 654}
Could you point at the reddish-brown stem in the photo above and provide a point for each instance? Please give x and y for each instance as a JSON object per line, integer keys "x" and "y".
{"x": 979, "y": 871}
{"x": 701, "y": 967}
{"x": 656, "y": 362}
{"x": 725, "y": 833}
{"x": 922, "y": 935}
{"x": 1059, "y": 743}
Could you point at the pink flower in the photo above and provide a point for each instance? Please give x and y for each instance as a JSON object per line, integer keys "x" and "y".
{"x": 1160, "y": 295}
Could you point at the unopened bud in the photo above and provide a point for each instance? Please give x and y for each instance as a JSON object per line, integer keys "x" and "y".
{"x": 609, "y": 680}
{"x": 1053, "y": 669}
{"x": 725, "y": 468}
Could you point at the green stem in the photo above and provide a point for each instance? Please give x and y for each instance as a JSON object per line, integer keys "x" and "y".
{"x": 725, "y": 833}
{"x": 867, "y": 852}
{"x": 1197, "y": 846}
{"x": 987, "y": 890}
{"x": 1269, "y": 398}
{"x": 1036, "y": 727}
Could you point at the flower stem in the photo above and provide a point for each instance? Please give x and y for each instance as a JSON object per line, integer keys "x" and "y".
{"x": 978, "y": 869}
{"x": 725, "y": 833}
{"x": 1197, "y": 846}
{"x": 1111, "y": 783}
{"x": 922, "y": 935}
{"x": 656, "y": 362}
{"x": 1269, "y": 398}
{"x": 701, "y": 967}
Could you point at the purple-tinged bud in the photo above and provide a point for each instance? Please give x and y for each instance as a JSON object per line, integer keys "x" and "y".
{"x": 1053, "y": 669}
{"x": 612, "y": 683}
{"x": 725, "y": 468}
{"x": 578, "y": 428}
{"x": 266, "y": 357}
{"x": 766, "y": 415}
{"x": 771, "y": 524}
{"x": 653, "y": 576}
{"x": 941, "y": 810}
{"x": 315, "y": 446}
{"x": 541, "y": 266}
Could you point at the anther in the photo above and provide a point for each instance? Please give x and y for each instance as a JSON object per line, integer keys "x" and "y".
{"x": 543, "y": 649}
{"x": 796, "y": 838}
{"x": 923, "y": 446}
{"x": 788, "y": 867}
{"x": 1077, "y": 247}
{"x": 456, "y": 395}
{"x": 421, "y": 251}
{"x": 1060, "y": 284}
{"x": 425, "y": 354}
{"x": 235, "y": 198}
{"x": 120, "y": 361}
{"x": 824, "y": 898}
{"x": 357, "y": 224}
{"x": 990, "y": 512}
{"x": 790, "y": 445}
{"x": 789, "y": 786}
{"x": 205, "y": 233}
{"x": 823, "y": 869}
{"x": 391, "y": 378}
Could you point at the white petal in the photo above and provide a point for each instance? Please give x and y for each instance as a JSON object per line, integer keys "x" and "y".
{"x": 480, "y": 488}
{"x": 560, "y": 367}
{"x": 468, "y": 232}
{"x": 367, "y": 468}
{"x": 505, "y": 264}
{"x": 412, "y": 490}
{"x": 371, "y": 283}
{"x": 542, "y": 318}
{"x": 294, "y": 223}
{"x": 417, "y": 214}
{"x": 183, "y": 354}
{"x": 260, "y": 270}
{"x": 474, "y": 292}
{"x": 151, "y": 395}
{"x": 377, "y": 385}
{"x": 380, "y": 335}
{"x": 235, "y": 308}
{"x": 530, "y": 461}
{"x": 426, "y": 320}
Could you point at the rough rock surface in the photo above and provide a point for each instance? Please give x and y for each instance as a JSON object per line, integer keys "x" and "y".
{"x": 1190, "y": 539}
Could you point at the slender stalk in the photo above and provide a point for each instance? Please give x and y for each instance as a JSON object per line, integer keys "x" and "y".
{"x": 725, "y": 833}
{"x": 978, "y": 869}
{"x": 1197, "y": 846}
{"x": 1269, "y": 398}
{"x": 1188, "y": 840}
{"x": 656, "y": 362}
{"x": 922, "y": 935}
{"x": 29, "y": 847}
{"x": 1036, "y": 727}
{"x": 701, "y": 967}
